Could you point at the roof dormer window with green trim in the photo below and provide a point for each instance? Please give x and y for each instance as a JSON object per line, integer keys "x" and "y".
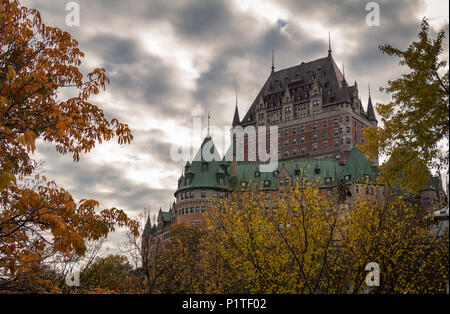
{"x": 220, "y": 179}
{"x": 266, "y": 183}
{"x": 328, "y": 180}
{"x": 205, "y": 166}
{"x": 257, "y": 174}
{"x": 189, "y": 178}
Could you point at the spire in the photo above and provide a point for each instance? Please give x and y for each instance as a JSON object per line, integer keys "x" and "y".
{"x": 209, "y": 117}
{"x": 273, "y": 62}
{"x": 329, "y": 45}
{"x": 370, "y": 111}
{"x": 236, "y": 119}
{"x": 147, "y": 226}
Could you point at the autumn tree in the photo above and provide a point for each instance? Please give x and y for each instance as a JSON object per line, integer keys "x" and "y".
{"x": 415, "y": 122}
{"x": 175, "y": 266}
{"x": 37, "y": 61}
{"x": 304, "y": 242}
{"x": 111, "y": 273}
{"x": 280, "y": 245}
{"x": 412, "y": 257}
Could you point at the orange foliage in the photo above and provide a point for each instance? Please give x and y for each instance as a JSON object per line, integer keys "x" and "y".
{"x": 36, "y": 61}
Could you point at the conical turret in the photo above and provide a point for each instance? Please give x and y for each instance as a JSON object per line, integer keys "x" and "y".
{"x": 370, "y": 110}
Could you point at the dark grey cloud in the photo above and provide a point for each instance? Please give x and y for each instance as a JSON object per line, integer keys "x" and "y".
{"x": 105, "y": 183}
{"x": 203, "y": 19}
{"x": 114, "y": 50}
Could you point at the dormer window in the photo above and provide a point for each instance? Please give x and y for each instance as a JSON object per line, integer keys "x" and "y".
{"x": 316, "y": 169}
{"x": 257, "y": 174}
{"x": 266, "y": 183}
{"x": 328, "y": 180}
{"x": 220, "y": 178}
{"x": 189, "y": 179}
{"x": 347, "y": 178}
{"x": 275, "y": 173}
{"x": 204, "y": 166}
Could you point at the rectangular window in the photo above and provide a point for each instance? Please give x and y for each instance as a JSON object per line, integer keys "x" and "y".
{"x": 286, "y": 142}
{"x": 182, "y": 211}
{"x": 203, "y": 193}
{"x": 302, "y": 128}
{"x": 197, "y": 210}
{"x": 314, "y": 136}
{"x": 294, "y": 130}
{"x": 294, "y": 141}
{"x": 294, "y": 152}
{"x": 286, "y": 153}
{"x": 302, "y": 139}
{"x": 192, "y": 210}
{"x": 325, "y": 134}
{"x": 336, "y": 143}
{"x": 203, "y": 209}
{"x": 325, "y": 145}
{"x": 348, "y": 141}
{"x": 192, "y": 194}
{"x": 315, "y": 147}
{"x": 303, "y": 150}
{"x": 314, "y": 126}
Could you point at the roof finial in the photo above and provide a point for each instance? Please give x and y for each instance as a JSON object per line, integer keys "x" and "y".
{"x": 273, "y": 62}
{"x": 329, "y": 44}
{"x": 209, "y": 117}
{"x": 369, "y": 89}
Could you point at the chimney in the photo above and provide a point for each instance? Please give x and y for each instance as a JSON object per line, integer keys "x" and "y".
{"x": 233, "y": 162}
{"x": 233, "y": 166}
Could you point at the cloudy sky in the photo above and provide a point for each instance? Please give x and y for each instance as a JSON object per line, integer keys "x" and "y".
{"x": 171, "y": 61}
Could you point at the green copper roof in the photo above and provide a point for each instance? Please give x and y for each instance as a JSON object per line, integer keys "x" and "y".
{"x": 165, "y": 216}
{"x": 205, "y": 174}
{"x": 207, "y": 151}
{"x": 314, "y": 170}
{"x": 357, "y": 166}
{"x": 326, "y": 172}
